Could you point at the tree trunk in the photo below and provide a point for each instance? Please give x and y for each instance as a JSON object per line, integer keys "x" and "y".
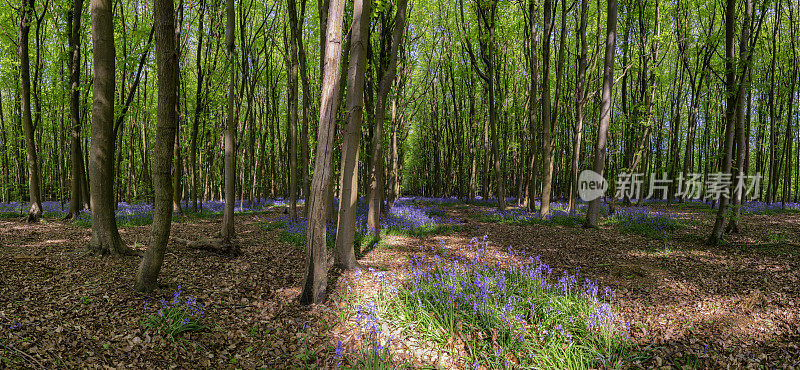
{"x": 6, "y": 188}
{"x": 291, "y": 117}
{"x": 35, "y": 210}
{"x": 593, "y": 213}
{"x": 77, "y": 202}
{"x": 177, "y": 175}
{"x": 166, "y": 130}
{"x": 198, "y": 109}
{"x": 376, "y": 188}
{"x": 547, "y": 130}
{"x": 348, "y": 192}
{"x": 228, "y": 231}
{"x": 730, "y": 116}
{"x": 579, "y": 104}
{"x": 105, "y": 235}
{"x": 315, "y": 276}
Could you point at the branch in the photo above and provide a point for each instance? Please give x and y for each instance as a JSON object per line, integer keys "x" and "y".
{"x": 132, "y": 92}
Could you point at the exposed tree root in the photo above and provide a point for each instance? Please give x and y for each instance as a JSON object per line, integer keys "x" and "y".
{"x": 215, "y": 245}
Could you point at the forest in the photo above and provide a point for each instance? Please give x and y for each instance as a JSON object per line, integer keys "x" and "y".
{"x": 398, "y": 184}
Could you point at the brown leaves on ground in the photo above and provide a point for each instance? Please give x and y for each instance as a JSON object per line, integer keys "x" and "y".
{"x": 688, "y": 304}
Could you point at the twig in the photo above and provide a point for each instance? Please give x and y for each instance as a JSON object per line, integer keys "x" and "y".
{"x": 30, "y": 358}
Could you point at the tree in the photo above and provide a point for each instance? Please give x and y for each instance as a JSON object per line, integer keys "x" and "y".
{"x": 486, "y": 13}
{"x": 580, "y": 102}
{"x": 348, "y": 193}
{"x": 166, "y": 124}
{"x": 593, "y": 213}
{"x": 105, "y": 235}
{"x": 375, "y": 197}
{"x": 315, "y": 276}
{"x": 228, "y": 231}
{"x": 35, "y": 210}
{"x": 291, "y": 115}
{"x": 77, "y": 202}
{"x": 547, "y": 120}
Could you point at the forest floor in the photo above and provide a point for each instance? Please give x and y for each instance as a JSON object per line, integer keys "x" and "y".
{"x": 688, "y": 305}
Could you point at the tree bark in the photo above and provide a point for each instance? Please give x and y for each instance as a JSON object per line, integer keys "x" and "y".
{"x": 348, "y": 192}
{"x": 35, "y": 210}
{"x": 580, "y": 97}
{"x": 166, "y": 127}
{"x": 547, "y": 130}
{"x": 376, "y": 188}
{"x": 228, "y": 231}
{"x": 730, "y": 116}
{"x": 198, "y": 109}
{"x": 315, "y": 276}
{"x": 105, "y": 235}
{"x": 291, "y": 115}
{"x": 593, "y": 213}
{"x": 77, "y": 202}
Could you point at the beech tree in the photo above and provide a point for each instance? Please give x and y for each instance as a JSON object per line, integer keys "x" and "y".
{"x": 228, "y": 231}
{"x": 593, "y": 213}
{"x": 375, "y": 197}
{"x": 348, "y": 191}
{"x": 105, "y": 235}
{"x": 26, "y": 16}
{"x": 166, "y": 123}
{"x": 316, "y": 271}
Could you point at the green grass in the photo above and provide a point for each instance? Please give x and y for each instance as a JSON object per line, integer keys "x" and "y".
{"x": 423, "y": 231}
{"x": 362, "y": 243}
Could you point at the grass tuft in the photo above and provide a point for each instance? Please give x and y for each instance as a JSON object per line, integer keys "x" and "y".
{"x": 171, "y": 318}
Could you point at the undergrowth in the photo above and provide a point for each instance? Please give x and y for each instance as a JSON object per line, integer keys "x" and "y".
{"x": 491, "y": 316}
{"x": 171, "y": 318}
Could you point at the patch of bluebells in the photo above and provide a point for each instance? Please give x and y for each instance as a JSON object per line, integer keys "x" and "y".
{"x": 48, "y": 207}
{"x": 519, "y": 308}
{"x": 657, "y": 224}
{"x": 412, "y": 219}
{"x": 376, "y": 349}
{"x": 403, "y": 217}
{"x": 760, "y": 208}
{"x": 142, "y": 213}
{"x": 557, "y": 216}
{"x": 14, "y": 326}
{"x": 175, "y": 316}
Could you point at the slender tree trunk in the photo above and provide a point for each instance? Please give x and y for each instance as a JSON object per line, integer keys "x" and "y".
{"x": 547, "y": 130}
{"x": 376, "y": 188}
{"x": 348, "y": 192}
{"x": 291, "y": 118}
{"x": 166, "y": 130}
{"x": 177, "y": 176}
{"x": 579, "y": 104}
{"x": 6, "y": 188}
{"x": 297, "y": 37}
{"x": 315, "y": 276}
{"x": 593, "y": 213}
{"x": 730, "y": 115}
{"x": 35, "y": 210}
{"x": 198, "y": 109}
{"x": 228, "y": 231}
{"x": 77, "y": 202}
